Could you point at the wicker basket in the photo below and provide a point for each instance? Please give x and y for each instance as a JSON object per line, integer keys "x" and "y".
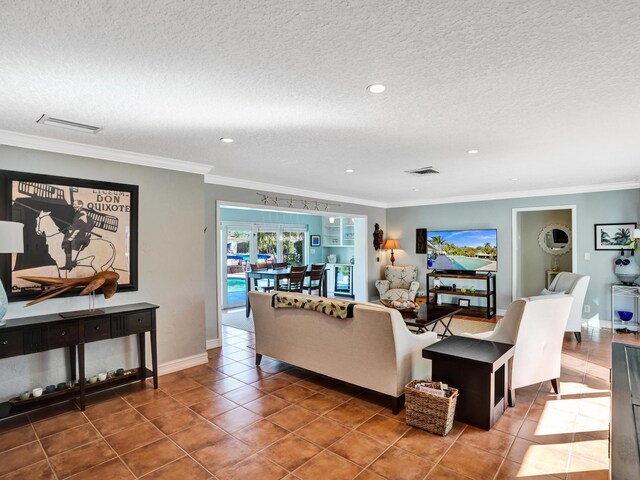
{"x": 430, "y": 412}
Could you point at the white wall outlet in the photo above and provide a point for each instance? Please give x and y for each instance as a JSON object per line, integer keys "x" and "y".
{"x": 587, "y": 256}
{"x": 587, "y": 308}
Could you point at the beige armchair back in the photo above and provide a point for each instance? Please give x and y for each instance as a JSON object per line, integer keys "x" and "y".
{"x": 535, "y": 325}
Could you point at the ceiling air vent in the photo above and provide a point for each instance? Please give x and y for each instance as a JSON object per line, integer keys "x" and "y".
{"x": 421, "y": 172}
{"x": 56, "y": 122}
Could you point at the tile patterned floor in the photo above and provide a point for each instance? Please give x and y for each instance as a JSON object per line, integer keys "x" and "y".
{"x": 231, "y": 420}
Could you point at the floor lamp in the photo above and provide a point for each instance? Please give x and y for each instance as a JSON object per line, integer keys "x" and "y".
{"x": 10, "y": 242}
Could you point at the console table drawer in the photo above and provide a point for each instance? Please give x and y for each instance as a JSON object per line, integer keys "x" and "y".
{"x": 97, "y": 329}
{"x": 63, "y": 335}
{"x": 138, "y": 322}
{"x": 10, "y": 344}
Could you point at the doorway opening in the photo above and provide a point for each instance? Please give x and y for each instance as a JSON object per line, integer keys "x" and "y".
{"x": 254, "y": 234}
{"x": 544, "y": 244}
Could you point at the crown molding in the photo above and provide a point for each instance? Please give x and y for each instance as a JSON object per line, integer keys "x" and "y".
{"x": 35, "y": 142}
{"x": 547, "y": 192}
{"x": 269, "y": 187}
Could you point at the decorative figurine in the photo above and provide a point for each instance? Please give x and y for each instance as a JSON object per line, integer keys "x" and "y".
{"x": 377, "y": 239}
{"x": 105, "y": 281}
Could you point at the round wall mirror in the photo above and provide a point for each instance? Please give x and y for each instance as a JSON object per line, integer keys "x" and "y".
{"x": 555, "y": 239}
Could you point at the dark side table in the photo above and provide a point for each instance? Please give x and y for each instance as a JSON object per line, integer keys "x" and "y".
{"x": 479, "y": 370}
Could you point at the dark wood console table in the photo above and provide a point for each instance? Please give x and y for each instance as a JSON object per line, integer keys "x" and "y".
{"x": 22, "y": 336}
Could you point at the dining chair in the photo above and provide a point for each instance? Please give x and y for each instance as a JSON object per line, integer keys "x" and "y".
{"x": 315, "y": 278}
{"x": 259, "y": 284}
{"x": 294, "y": 282}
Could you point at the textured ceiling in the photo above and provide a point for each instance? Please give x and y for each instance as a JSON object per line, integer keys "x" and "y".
{"x": 548, "y": 91}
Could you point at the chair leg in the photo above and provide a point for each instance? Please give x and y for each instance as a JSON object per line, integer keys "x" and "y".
{"x": 258, "y": 359}
{"x": 578, "y": 336}
{"x": 555, "y": 383}
{"x": 512, "y": 397}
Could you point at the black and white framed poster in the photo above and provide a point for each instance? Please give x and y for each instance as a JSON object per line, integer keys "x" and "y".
{"x": 72, "y": 228}
{"x": 614, "y": 236}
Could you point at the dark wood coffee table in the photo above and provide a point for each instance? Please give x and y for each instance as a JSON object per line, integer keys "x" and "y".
{"x": 426, "y": 319}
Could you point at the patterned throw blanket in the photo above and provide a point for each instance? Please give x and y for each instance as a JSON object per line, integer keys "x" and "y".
{"x": 328, "y": 306}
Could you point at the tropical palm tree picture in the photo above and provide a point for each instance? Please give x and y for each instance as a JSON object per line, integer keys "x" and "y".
{"x": 614, "y": 236}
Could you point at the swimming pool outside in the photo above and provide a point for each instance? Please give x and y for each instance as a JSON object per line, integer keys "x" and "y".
{"x": 466, "y": 263}
{"x": 236, "y": 290}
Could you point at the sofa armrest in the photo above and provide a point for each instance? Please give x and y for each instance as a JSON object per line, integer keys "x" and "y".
{"x": 409, "y": 351}
{"x": 382, "y": 286}
{"x": 413, "y": 290}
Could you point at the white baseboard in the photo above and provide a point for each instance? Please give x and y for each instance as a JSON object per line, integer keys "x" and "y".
{"x": 501, "y": 311}
{"x": 213, "y": 343}
{"x": 182, "y": 363}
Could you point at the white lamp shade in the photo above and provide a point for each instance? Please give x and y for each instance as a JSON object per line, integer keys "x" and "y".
{"x": 11, "y": 237}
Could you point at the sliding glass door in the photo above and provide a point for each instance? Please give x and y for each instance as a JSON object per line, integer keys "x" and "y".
{"x": 267, "y": 244}
{"x": 293, "y": 247}
{"x": 247, "y": 243}
{"x": 237, "y": 255}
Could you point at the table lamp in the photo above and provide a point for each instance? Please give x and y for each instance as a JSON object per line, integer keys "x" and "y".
{"x": 10, "y": 242}
{"x": 390, "y": 244}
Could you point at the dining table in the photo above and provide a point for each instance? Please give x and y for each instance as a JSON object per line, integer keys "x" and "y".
{"x": 275, "y": 274}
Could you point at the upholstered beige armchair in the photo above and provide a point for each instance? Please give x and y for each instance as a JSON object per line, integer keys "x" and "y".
{"x": 576, "y": 285}
{"x": 535, "y": 325}
{"x": 400, "y": 283}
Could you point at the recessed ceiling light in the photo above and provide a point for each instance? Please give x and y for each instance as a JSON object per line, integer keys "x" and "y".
{"x": 227, "y": 140}
{"x": 349, "y": 170}
{"x": 473, "y": 151}
{"x": 514, "y": 179}
{"x": 416, "y": 189}
{"x": 376, "y": 88}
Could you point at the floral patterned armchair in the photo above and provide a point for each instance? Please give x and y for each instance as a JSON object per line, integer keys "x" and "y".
{"x": 400, "y": 283}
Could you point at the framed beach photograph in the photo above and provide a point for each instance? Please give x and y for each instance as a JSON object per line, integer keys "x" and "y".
{"x": 315, "y": 240}
{"x": 614, "y": 236}
{"x": 73, "y": 228}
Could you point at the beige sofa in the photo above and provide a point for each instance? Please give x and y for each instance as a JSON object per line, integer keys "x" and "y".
{"x": 374, "y": 349}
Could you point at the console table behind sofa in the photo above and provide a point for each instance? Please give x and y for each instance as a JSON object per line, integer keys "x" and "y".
{"x": 22, "y": 336}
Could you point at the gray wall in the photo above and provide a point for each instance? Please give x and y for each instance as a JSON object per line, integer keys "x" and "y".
{"x": 171, "y": 271}
{"x": 214, "y": 193}
{"x": 602, "y": 207}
